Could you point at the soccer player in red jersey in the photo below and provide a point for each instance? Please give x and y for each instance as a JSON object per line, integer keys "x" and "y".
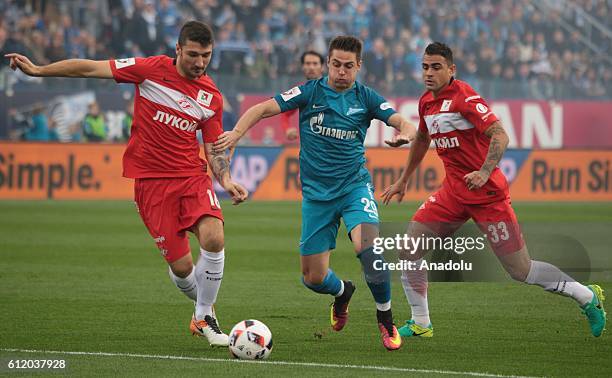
{"x": 470, "y": 140}
{"x": 173, "y": 192}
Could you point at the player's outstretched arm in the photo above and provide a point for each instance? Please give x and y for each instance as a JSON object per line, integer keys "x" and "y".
{"x": 220, "y": 167}
{"x": 64, "y": 68}
{"x": 418, "y": 149}
{"x": 497, "y": 147}
{"x": 407, "y": 131}
{"x": 254, "y": 114}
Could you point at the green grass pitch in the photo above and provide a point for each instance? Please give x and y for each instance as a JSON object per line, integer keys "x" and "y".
{"x": 86, "y": 277}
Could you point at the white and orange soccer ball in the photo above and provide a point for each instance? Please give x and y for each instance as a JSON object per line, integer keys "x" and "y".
{"x": 250, "y": 340}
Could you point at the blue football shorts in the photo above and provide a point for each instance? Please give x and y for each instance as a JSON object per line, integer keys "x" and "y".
{"x": 321, "y": 219}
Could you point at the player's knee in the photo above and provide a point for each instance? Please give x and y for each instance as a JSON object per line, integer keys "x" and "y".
{"x": 213, "y": 243}
{"x": 181, "y": 268}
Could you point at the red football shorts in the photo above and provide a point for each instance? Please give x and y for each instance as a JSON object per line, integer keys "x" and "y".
{"x": 169, "y": 207}
{"x": 444, "y": 214}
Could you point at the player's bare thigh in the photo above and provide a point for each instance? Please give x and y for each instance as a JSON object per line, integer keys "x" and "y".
{"x": 314, "y": 267}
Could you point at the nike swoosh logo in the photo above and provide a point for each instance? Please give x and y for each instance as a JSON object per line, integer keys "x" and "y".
{"x": 419, "y": 334}
{"x": 352, "y": 111}
{"x": 317, "y": 106}
{"x": 207, "y": 272}
{"x": 166, "y": 79}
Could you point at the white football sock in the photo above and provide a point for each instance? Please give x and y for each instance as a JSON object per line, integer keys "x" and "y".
{"x": 554, "y": 280}
{"x": 415, "y": 285}
{"x": 383, "y": 306}
{"x": 187, "y": 285}
{"x": 209, "y": 273}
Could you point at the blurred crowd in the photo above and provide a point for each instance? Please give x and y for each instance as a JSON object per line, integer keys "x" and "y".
{"x": 505, "y": 49}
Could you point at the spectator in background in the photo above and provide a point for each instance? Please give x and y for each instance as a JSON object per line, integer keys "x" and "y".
{"x": 39, "y": 132}
{"x": 19, "y": 124}
{"x": 523, "y": 79}
{"x": 513, "y": 30}
{"x": 361, "y": 19}
{"x": 376, "y": 64}
{"x": 312, "y": 67}
{"x": 35, "y": 41}
{"x": 268, "y": 136}
{"x": 145, "y": 24}
{"x": 229, "y": 116}
{"x": 128, "y": 118}
{"x": 5, "y": 48}
{"x": 399, "y": 64}
{"x": 312, "y": 64}
{"x": 495, "y": 80}
{"x": 94, "y": 126}
{"x": 70, "y": 35}
{"x": 592, "y": 85}
{"x": 56, "y": 51}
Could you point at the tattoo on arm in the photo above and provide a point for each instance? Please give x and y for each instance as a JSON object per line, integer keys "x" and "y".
{"x": 219, "y": 165}
{"x": 497, "y": 147}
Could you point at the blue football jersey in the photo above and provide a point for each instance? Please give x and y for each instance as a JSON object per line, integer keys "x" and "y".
{"x": 333, "y": 128}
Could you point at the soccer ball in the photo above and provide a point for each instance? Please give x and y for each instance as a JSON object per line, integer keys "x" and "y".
{"x": 250, "y": 340}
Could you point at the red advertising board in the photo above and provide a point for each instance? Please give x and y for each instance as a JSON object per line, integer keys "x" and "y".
{"x": 529, "y": 124}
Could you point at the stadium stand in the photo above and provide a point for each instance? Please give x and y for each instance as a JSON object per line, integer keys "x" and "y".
{"x": 523, "y": 49}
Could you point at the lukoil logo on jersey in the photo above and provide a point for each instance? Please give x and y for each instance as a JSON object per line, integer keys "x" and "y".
{"x": 316, "y": 126}
{"x": 174, "y": 121}
{"x": 446, "y": 142}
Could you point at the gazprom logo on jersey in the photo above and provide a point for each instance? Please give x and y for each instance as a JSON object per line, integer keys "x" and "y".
{"x": 174, "y": 121}
{"x": 316, "y": 126}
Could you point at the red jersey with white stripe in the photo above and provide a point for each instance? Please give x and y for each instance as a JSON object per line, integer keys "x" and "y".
{"x": 168, "y": 109}
{"x": 456, "y": 121}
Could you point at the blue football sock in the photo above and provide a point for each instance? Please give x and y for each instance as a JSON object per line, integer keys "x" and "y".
{"x": 331, "y": 284}
{"x": 379, "y": 281}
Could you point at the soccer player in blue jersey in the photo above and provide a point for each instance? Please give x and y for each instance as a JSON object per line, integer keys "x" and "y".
{"x": 335, "y": 113}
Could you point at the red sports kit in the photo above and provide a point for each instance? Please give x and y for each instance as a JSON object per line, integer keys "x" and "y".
{"x": 172, "y": 189}
{"x": 456, "y": 121}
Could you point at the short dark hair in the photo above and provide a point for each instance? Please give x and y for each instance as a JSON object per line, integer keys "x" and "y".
{"x": 312, "y": 52}
{"x": 439, "y": 48}
{"x": 196, "y": 31}
{"x": 346, "y": 43}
